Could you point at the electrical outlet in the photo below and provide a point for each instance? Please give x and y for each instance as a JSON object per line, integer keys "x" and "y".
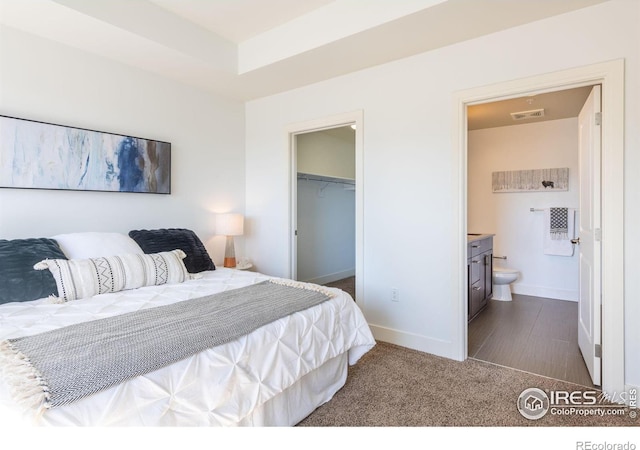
{"x": 395, "y": 295}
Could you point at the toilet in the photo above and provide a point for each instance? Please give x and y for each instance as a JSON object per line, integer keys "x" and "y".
{"x": 502, "y": 279}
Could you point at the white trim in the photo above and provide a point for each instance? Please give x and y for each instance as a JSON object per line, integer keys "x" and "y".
{"x": 411, "y": 340}
{"x": 354, "y": 117}
{"x": 570, "y": 295}
{"x": 611, "y": 76}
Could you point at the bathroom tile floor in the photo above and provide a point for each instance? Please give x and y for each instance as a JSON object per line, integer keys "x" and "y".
{"x": 534, "y": 334}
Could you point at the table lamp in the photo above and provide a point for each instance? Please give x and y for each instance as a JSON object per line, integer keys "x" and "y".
{"x": 229, "y": 225}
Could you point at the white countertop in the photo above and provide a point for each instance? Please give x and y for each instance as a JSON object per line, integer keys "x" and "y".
{"x": 476, "y": 237}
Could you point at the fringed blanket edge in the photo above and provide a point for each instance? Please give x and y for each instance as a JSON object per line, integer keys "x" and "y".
{"x": 28, "y": 387}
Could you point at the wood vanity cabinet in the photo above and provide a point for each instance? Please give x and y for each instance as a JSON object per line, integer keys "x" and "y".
{"x": 480, "y": 274}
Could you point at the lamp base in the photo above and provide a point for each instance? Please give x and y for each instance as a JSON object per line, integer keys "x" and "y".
{"x": 229, "y": 253}
{"x": 230, "y": 262}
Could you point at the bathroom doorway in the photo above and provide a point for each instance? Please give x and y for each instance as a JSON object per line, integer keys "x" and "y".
{"x": 537, "y": 330}
{"x": 610, "y": 75}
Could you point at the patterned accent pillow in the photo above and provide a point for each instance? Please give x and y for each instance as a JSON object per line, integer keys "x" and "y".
{"x": 82, "y": 278}
{"x": 165, "y": 239}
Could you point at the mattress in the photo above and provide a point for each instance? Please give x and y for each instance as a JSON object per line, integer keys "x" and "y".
{"x": 247, "y": 381}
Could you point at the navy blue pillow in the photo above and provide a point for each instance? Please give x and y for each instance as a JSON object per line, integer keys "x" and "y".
{"x": 19, "y": 281}
{"x": 167, "y": 239}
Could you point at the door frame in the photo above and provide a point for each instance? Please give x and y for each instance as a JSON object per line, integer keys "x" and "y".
{"x": 335, "y": 121}
{"x": 611, "y": 76}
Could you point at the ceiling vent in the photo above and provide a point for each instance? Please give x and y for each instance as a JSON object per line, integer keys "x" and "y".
{"x": 533, "y": 114}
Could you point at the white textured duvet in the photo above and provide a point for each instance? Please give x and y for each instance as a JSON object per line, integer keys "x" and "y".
{"x": 225, "y": 385}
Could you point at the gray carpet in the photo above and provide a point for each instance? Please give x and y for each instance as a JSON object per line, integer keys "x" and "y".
{"x": 393, "y": 386}
{"x": 346, "y": 284}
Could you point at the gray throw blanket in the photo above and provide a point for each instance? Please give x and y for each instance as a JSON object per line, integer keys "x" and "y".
{"x": 60, "y": 366}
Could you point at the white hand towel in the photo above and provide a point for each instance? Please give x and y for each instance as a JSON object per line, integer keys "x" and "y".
{"x": 558, "y": 247}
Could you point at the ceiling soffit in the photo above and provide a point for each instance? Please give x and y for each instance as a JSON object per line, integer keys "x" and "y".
{"x": 333, "y": 39}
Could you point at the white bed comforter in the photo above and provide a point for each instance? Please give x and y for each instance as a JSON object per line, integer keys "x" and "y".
{"x": 220, "y": 386}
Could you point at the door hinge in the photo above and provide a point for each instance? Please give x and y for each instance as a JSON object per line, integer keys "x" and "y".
{"x": 598, "y": 351}
{"x": 597, "y": 234}
{"x": 295, "y": 233}
{"x": 598, "y": 119}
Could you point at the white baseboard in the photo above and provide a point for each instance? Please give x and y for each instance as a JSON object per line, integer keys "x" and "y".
{"x": 541, "y": 291}
{"x": 324, "y": 279}
{"x": 413, "y": 341}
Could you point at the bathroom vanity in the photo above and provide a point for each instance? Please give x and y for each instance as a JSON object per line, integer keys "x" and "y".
{"x": 480, "y": 271}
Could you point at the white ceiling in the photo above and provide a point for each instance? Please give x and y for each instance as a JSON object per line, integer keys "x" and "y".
{"x": 239, "y": 20}
{"x": 247, "y": 49}
{"x": 556, "y": 105}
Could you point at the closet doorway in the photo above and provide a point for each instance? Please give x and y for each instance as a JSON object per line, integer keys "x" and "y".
{"x": 326, "y": 203}
{"x": 326, "y": 209}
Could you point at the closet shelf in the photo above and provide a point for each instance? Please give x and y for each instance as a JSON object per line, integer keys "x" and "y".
{"x": 325, "y": 179}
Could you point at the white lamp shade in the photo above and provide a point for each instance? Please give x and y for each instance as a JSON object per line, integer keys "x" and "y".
{"x": 229, "y": 224}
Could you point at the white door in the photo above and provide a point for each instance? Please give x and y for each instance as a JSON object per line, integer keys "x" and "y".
{"x": 589, "y": 312}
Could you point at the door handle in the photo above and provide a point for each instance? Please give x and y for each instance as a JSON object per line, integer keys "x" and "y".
{"x": 575, "y": 241}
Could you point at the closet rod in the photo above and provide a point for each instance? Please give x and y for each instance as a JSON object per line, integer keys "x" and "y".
{"x": 326, "y": 180}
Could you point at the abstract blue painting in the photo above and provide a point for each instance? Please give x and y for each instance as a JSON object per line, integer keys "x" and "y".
{"x": 46, "y": 156}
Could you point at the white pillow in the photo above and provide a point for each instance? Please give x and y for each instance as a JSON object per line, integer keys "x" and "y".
{"x": 82, "y": 278}
{"x": 93, "y": 244}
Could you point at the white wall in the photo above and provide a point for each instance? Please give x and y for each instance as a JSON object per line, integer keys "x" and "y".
{"x": 519, "y": 232}
{"x": 408, "y": 128}
{"x": 325, "y": 153}
{"x": 42, "y": 80}
{"x": 326, "y": 231}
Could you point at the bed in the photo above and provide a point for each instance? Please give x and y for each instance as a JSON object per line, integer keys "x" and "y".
{"x": 275, "y": 375}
